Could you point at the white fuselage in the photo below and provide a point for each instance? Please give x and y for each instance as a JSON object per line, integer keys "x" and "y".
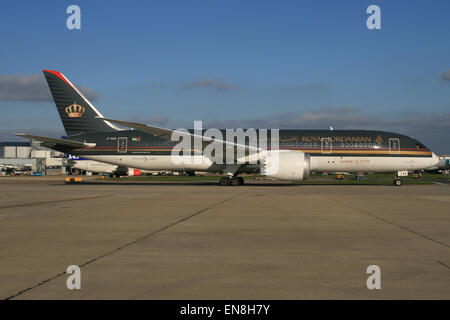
{"x": 371, "y": 164}
{"x": 94, "y": 166}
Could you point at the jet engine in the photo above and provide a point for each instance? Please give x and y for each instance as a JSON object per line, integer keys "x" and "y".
{"x": 286, "y": 165}
{"x": 134, "y": 172}
{"x": 124, "y": 171}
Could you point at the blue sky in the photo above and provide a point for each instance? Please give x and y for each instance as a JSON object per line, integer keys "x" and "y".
{"x": 296, "y": 64}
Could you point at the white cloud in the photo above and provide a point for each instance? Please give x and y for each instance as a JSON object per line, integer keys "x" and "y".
{"x": 217, "y": 84}
{"x": 446, "y": 75}
{"x": 32, "y": 87}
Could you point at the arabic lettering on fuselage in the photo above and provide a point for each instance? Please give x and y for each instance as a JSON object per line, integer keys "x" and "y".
{"x": 333, "y": 138}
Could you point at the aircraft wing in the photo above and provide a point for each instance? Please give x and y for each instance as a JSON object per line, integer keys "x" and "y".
{"x": 156, "y": 131}
{"x": 167, "y": 135}
{"x": 63, "y": 142}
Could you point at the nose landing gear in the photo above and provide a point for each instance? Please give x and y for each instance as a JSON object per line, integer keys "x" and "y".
{"x": 398, "y": 181}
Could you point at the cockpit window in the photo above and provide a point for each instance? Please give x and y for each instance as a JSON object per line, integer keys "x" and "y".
{"x": 420, "y": 146}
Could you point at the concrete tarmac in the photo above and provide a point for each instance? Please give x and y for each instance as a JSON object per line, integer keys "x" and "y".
{"x": 157, "y": 240}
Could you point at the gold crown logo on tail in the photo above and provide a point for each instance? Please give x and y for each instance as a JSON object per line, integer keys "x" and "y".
{"x": 75, "y": 110}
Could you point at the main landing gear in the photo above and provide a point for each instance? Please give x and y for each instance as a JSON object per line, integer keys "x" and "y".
{"x": 397, "y": 182}
{"x": 231, "y": 181}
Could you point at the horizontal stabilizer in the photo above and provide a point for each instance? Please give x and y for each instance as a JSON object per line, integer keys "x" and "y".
{"x": 63, "y": 142}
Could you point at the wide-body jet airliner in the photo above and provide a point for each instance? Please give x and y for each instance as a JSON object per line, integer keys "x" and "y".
{"x": 299, "y": 152}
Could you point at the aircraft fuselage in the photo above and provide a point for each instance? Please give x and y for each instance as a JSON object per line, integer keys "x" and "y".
{"x": 329, "y": 150}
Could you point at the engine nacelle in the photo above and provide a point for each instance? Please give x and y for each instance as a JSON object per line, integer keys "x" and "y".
{"x": 286, "y": 165}
{"x": 134, "y": 172}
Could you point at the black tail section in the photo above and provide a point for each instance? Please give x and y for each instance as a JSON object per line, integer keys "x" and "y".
{"x": 77, "y": 114}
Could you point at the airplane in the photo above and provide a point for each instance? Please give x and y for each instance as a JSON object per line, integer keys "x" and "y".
{"x": 442, "y": 165}
{"x": 84, "y": 164}
{"x": 15, "y": 169}
{"x": 92, "y": 136}
{"x": 112, "y": 170}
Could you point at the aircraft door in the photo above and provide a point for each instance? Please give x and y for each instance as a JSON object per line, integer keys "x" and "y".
{"x": 326, "y": 145}
{"x": 394, "y": 145}
{"x": 122, "y": 144}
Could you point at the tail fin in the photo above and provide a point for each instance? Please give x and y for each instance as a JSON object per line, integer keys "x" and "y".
{"x": 77, "y": 114}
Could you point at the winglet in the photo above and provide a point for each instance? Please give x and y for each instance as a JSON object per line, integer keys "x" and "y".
{"x": 59, "y": 75}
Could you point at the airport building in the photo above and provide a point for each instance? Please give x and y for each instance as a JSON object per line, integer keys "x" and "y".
{"x": 31, "y": 156}
{"x": 13, "y": 150}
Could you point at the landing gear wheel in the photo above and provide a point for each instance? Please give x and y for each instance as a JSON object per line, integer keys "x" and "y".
{"x": 397, "y": 182}
{"x": 224, "y": 181}
{"x": 235, "y": 181}
{"x": 241, "y": 181}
